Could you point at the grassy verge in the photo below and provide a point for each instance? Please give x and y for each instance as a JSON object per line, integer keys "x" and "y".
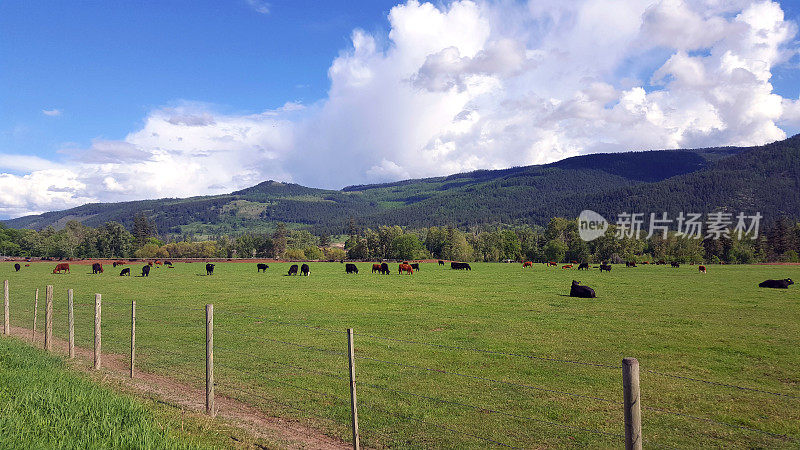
{"x": 44, "y": 404}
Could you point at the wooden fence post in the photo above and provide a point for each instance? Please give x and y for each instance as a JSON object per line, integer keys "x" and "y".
{"x": 35, "y": 312}
{"x": 48, "y": 318}
{"x": 632, "y": 404}
{"x": 210, "y": 360}
{"x": 71, "y": 330}
{"x": 353, "y": 403}
{"x": 97, "y": 338}
{"x": 133, "y": 335}
{"x": 6, "y": 326}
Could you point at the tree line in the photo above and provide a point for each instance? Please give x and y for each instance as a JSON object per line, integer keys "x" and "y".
{"x": 558, "y": 241}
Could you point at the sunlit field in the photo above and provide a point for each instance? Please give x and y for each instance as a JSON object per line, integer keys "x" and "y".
{"x": 496, "y": 356}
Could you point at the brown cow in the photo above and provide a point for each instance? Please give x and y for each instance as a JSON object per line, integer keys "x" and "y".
{"x": 568, "y": 266}
{"x": 376, "y": 268}
{"x": 405, "y": 268}
{"x": 62, "y": 267}
{"x": 552, "y": 264}
{"x": 527, "y": 264}
{"x": 701, "y": 269}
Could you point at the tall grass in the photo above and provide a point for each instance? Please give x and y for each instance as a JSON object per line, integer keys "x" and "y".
{"x": 44, "y": 405}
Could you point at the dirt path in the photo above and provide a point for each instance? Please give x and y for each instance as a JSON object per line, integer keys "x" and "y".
{"x": 290, "y": 433}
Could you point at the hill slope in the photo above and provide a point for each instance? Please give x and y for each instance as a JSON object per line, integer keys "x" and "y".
{"x": 764, "y": 178}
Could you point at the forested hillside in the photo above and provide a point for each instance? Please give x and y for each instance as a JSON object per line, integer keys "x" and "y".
{"x": 764, "y": 178}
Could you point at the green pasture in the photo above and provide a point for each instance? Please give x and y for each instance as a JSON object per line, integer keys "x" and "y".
{"x": 467, "y": 359}
{"x": 44, "y": 405}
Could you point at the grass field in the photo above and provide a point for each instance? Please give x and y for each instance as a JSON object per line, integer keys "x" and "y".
{"x": 44, "y": 405}
{"x": 280, "y": 344}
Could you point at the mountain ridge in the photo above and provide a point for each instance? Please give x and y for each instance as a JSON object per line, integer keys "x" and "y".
{"x": 645, "y": 181}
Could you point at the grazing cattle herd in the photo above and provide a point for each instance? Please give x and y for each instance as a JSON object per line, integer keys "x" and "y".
{"x": 576, "y": 289}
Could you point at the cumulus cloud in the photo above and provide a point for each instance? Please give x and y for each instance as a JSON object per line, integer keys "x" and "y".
{"x": 462, "y": 86}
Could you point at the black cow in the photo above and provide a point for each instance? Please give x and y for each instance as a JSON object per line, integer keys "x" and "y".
{"x": 350, "y": 268}
{"x": 384, "y": 269}
{"x": 16, "y": 267}
{"x": 415, "y": 266}
{"x": 168, "y": 263}
{"x": 209, "y": 269}
{"x": 127, "y": 271}
{"x": 293, "y": 270}
{"x": 583, "y": 266}
{"x": 305, "y": 270}
{"x": 581, "y": 291}
{"x": 441, "y": 263}
{"x": 460, "y": 266}
{"x": 675, "y": 265}
{"x": 145, "y": 270}
{"x": 776, "y": 284}
{"x": 262, "y": 268}
{"x": 605, "y": 267}
{"x": 630, "y": 264}
{"x": 97, "y": 268}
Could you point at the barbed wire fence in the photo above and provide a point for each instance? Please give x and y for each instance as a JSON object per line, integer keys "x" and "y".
{"x": 349, "y": 388}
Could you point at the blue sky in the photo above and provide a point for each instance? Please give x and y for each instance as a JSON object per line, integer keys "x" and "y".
{"x": 111, "y": 101}
{"x": 104, "y": 65}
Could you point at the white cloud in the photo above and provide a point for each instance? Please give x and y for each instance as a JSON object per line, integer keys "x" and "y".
{"x": 259, "y": 6}
{"x": 51, "y": 112}
{"x": 468, "y": 85}
{"x": 26, "y": 163}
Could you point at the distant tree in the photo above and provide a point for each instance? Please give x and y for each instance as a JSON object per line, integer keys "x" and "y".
{"x": 301, "y": 239}
{"x": 143, "y": 229}
{"x": 294, "y": 253}
{"x": 324, "y": 240}
{"x": 407, "y": 246}
{"x": 555, "y": 250}
{"x": 334, "y": 253}
{"x": 279, "y": 240}
{"x": 456, "y": 247}
{"x": 113, "y": 240}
